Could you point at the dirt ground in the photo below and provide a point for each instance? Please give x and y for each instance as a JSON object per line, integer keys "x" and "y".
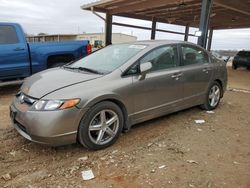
{"x": 171, "y": 151}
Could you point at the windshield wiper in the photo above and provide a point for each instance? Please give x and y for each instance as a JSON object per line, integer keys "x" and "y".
{"x": 84, "y": 69}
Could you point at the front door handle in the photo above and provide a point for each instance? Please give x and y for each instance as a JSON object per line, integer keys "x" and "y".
{"x": 176, "y": 76}
{"x": 19, "y": 49}
{"x": 206, "y": 70}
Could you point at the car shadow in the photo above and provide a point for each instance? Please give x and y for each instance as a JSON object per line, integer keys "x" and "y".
{"x": 157, "y": 120}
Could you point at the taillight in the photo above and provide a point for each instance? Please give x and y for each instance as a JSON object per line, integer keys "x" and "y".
{"x": 88, "y": 49}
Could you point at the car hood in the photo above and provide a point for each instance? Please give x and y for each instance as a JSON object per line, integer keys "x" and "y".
{"x": 46, "y": 82}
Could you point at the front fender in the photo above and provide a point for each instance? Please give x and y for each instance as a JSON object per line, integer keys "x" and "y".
{"x": 101, "y": 97}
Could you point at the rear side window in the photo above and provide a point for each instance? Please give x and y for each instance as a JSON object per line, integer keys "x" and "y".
{"x": 8, "y": 35}
{"x": 192, "y": 55}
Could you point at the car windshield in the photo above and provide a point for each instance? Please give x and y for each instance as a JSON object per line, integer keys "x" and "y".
{"x": 108, "y": 59}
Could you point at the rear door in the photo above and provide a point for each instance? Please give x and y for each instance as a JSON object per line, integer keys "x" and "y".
{"x": 161, "y": 90}
{"x": 197, "y": 73}
{"x": 14, "y": 57}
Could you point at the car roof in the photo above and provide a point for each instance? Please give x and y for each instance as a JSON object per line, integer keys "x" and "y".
{"x": 160, "y": 42}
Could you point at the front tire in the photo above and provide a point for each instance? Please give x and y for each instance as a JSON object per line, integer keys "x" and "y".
{"x": 101, "y": 126}
{"x": 213, "y": 96}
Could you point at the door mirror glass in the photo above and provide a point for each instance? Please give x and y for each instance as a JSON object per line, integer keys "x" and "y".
{"x": 144, "y": 69}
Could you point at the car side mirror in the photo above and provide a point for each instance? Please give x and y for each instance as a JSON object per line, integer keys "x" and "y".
{"x": 227, "y": 59}
{"x": 144, "y": 69}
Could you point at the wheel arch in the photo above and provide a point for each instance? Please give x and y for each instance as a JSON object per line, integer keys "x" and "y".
{"x": 58, "y": 58}
{"x": 221, "y": 85}
{"x": 116, "y": 101}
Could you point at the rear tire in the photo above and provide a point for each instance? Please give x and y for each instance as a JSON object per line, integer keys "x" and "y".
{"x": 101, "y": 126}
{"x": 213, "y": 96}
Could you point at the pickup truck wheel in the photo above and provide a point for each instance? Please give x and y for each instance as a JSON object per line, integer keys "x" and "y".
{"x": 213, "y": 97}
{"x": 101, "y": 126}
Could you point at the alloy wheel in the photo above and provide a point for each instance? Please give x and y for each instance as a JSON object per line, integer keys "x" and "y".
{"x": 214, "y": 96}
{"x": 103, "y": 127}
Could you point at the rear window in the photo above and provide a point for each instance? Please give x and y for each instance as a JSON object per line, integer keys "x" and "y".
{"x": 244, "y": 53}
{"x": 8, "y": 35}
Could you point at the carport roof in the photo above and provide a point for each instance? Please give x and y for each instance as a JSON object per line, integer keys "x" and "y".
{"x": 225, "y": 13}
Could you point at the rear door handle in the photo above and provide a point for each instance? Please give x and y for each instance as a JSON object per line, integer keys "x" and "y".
{"x": 19, "y": 49}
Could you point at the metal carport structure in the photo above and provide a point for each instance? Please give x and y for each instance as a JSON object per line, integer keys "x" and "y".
{"x": 207, "y": 15}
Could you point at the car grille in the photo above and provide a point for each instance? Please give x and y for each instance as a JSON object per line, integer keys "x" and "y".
{"x": 21, "y": 127}
{"x": 22, "y": 98}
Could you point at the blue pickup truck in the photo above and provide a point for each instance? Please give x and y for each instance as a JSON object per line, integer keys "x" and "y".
{"x": 19, "y": 59}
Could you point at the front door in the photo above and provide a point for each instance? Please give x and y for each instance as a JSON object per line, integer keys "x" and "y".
{"x": 161, "y": 90}
{"x": 14, "y": 58}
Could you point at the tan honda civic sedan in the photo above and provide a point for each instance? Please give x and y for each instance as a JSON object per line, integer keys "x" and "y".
{"x": 95, "y": 98}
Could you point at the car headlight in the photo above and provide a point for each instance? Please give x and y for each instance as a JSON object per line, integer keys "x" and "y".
{"x": 49, "y": 105}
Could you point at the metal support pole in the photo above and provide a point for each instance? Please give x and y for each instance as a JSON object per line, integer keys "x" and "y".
{"x": 210, "y": 38}
{"x": 204, "y": 21}
{"x": 186, "y": 33}
{"x": 153, "y": 29}
{"x": 108, "y": 29}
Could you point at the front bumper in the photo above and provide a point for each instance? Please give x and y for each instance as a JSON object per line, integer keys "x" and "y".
{"x": 46, "y": 127}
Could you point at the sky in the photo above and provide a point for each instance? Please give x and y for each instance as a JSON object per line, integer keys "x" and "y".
{"x": 66, "y": 17}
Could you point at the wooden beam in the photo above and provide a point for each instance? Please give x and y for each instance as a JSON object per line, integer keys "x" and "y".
{"x": 223, "y": 27}
{"x": 140, "y": 5}
{"x": 195, "y": 8}
{"x": 190, "y": 12}
{"x": 165, "y": 8}
{"x": 148, "y": 28}
{"x": 141, "y": 17}
{"x": 238, "y": 6}
{"x": 173, "y": 32}
{"x": 115, "y": 3}
{"x": 120, "y": 3}
{"x": 133, "y": 26}
{"x": 229, "y": 18}
{"x": 220, "y": 23}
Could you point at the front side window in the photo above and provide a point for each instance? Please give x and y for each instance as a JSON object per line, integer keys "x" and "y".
{"x": 193, "y": 55}
{"x": 162, "y": 58}
{"x": 8, "y": 35}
